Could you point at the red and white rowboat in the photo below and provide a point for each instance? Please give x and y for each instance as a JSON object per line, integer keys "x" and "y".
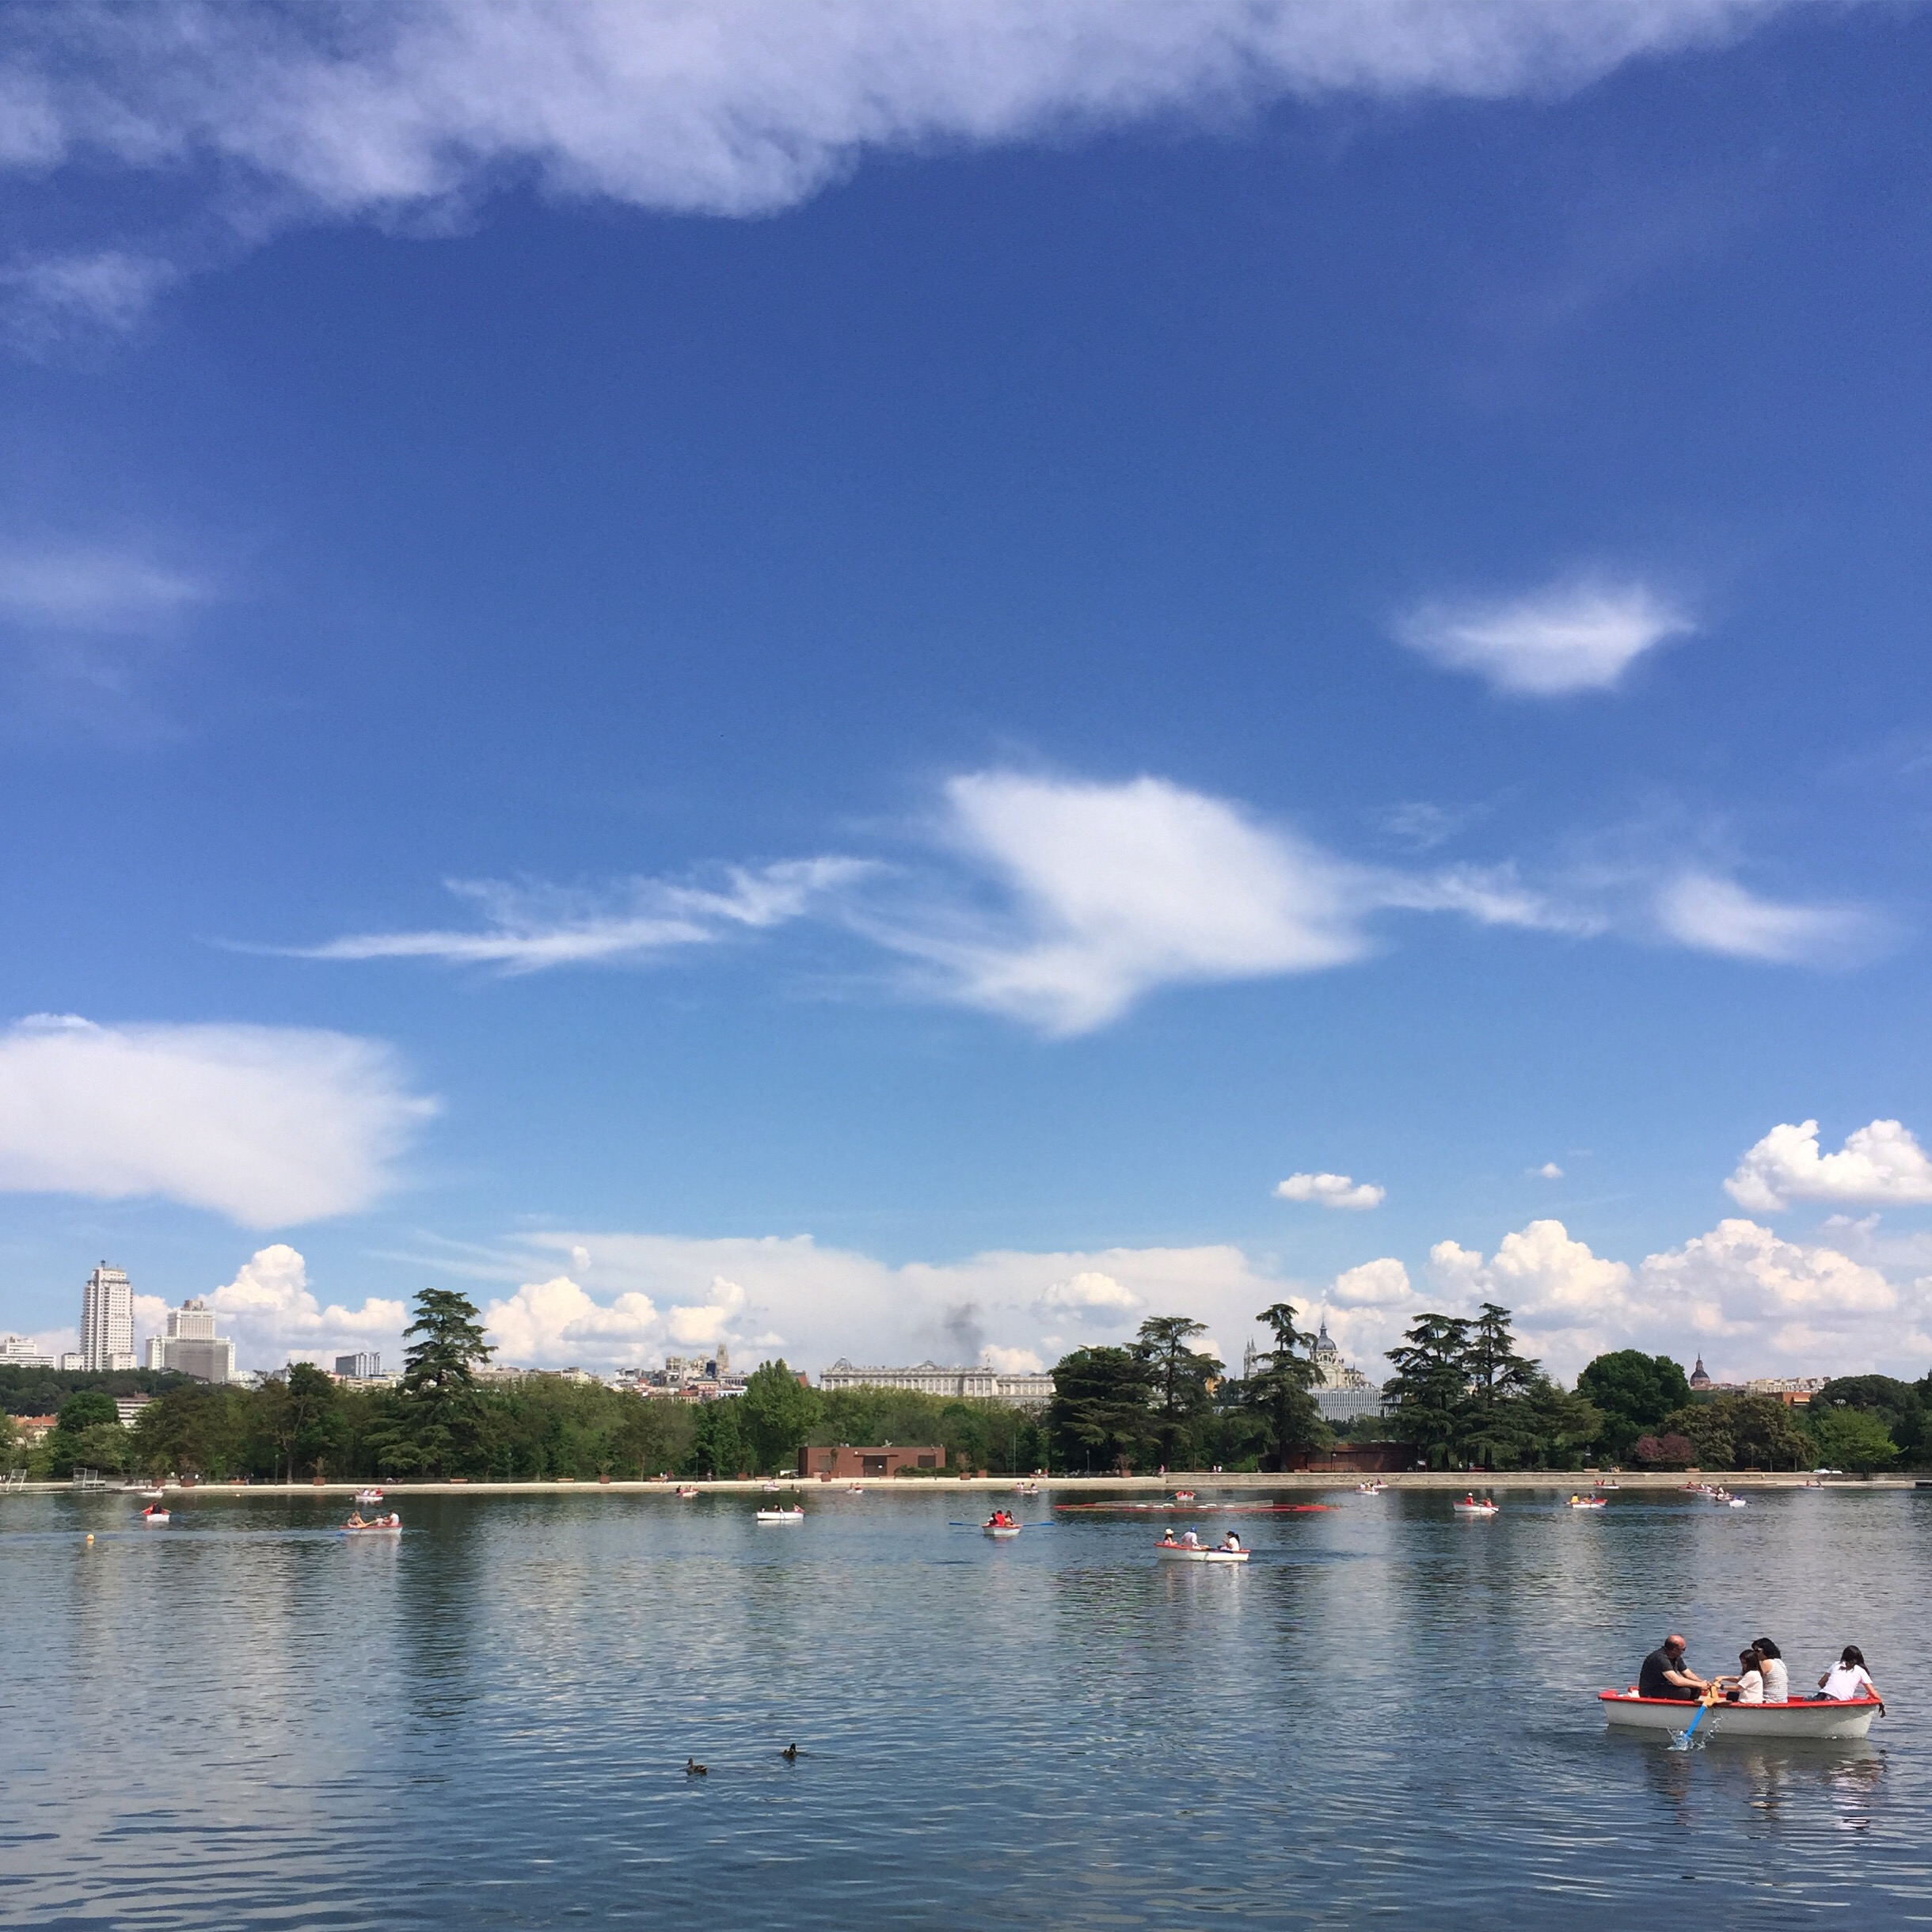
{"x": 1198, "y": 1553}
{"x": 1623, "y": 1710}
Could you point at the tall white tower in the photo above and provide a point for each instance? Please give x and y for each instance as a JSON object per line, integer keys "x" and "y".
{"x": 107, "y": 1321}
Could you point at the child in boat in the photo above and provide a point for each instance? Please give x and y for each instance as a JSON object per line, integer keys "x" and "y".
{"x": 1747, "y": 1686}
{"x": 1848, "y": 1678}
{"x": 1167, "y": 1539}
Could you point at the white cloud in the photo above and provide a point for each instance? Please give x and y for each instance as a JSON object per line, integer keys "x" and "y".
{"x": 1091, "y": 1296}
{"x": 1331, "y": 1191}
{"x": 1880, "y": 1164}
{"x": 1714, "y": 915}
{"x": 1383, "y": 1284}
{"x": 723, "y": 107}
{"x": 1549, "y": 1171}
{"x": 1062, "y": 903}
{"x": 1120, "y": 889}
{"x": 263, "y": 1124}
{"x": 531, "y": 927}
{"x": 273, "y": 1314}
{"x": 544, "y": 1320}
{"x": 1578, "y": 637}
{"x": 49, "y": 298}
{"x": 90, "y": 587}
{"x": 1013, "y": 1361}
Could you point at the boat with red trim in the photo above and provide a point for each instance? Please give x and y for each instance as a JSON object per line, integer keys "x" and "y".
{"x": 1821, "y": 1718}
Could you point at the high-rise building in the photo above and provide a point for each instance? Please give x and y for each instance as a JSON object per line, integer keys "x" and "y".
{"x": 360, "y": 1367}
{"x": 22, "y": 1352}
{"x": 190, "y": 1346}
{"x": 107, "y": 1321}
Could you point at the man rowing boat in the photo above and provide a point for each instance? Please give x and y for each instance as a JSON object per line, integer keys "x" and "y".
{"x": 1666, "y": 1675}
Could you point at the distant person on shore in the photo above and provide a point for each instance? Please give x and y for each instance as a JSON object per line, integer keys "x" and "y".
{"x": 1771, "y": 1666}
{"x": 1848, "y": 1678}
{"x": 1666, "y": 1675}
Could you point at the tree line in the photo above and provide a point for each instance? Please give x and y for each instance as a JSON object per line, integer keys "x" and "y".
{"x": 1462, "y": 1396}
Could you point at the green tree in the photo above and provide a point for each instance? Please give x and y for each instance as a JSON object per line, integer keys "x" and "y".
{"x": 717, "y": 1444}
{"x": 438, "y": 1424}
{"x": 1181, "y": 1380}
{"x": 1276, "y": 1397}
{"x": 776, "y": 1413}
{"x": 1553, "y": 1427}
{"x": 1742, "y": 1431}
{"x": 82, "y": 1411}
{"x": 1102, "y": 1411}
{"x": 1635, "y": 1393}
{"x": 1899, "y": 1406}
{"x": 1854, "y": 1439}
{"x": 1430, "y": 1384}
{"x": 300, "y": 1412}
{"x": 1494, "y": 1426}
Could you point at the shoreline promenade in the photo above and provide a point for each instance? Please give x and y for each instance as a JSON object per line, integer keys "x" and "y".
{"x": 1322, "y": 1481}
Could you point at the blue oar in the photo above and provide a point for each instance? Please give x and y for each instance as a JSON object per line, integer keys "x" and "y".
{"x": 1682, "y": 1741}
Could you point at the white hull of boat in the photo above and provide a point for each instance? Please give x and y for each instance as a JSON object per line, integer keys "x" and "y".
{"x": 153, "y": 1518}
{"x": 1732, "y": 1722}
{"x": 1179, "y": 1553}
{"x": 781, "y": 1515}
{"x": 365, "y": 1496}
{"x": 1001, "y": 1530}
{"x": 372, "y": 1529}
{"x": 1476, "y": 1509}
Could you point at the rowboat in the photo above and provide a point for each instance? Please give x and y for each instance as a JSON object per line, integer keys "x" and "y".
{"x": 1624, "y": 1710}
{"x": 1197, "y": 1552}
{"x": 1183, "y": 1496}
{"x": 1002, "y": 1529}
{"x": 781, "y": 1515}
{"x": 1589, "y": 1502}
{"x": 1470, "y": 1509}
{"x": 1370, "y": 1489}
{"x": 372, "y": 1529}
{"x": 151, "y": 1495}
{"x": 365, "y": 1496}
{"x": 153, "y": 1517}
{"x": 687, "y": 1494}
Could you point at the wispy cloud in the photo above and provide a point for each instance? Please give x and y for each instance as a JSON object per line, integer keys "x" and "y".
{"x": 528, "y": 928}
{"x": 265, "y": 1125}
{"x": 1712, "y": 914}
{"x": 1580, "y": 635}
{"x": 69, "y": 587}
{"x": 48, "y": 299}
{"x": 728, "y": 107}
{"x": 1062, "y": 903}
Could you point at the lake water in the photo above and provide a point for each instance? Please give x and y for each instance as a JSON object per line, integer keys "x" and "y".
{"x": 245, "y": 1721}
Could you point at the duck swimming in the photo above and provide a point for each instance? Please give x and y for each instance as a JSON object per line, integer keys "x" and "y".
{"x": 694, "y": 1769}
{"x": 789, "y": 1754}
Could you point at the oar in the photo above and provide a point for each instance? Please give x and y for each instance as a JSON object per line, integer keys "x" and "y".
{"x": 1683, "y": 1742}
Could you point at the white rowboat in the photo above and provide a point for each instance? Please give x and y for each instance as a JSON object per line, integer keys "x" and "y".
{"x": 1002, "y": 1529}
{"x": 1477, "y": 1509}
{"x": 368, "y": 1495}
{"x": 154, "y": 1516}
{"x": 1183, "y": 1552}
{"x": 1852, "y": 1717}
{"x": 781, "y": 1515}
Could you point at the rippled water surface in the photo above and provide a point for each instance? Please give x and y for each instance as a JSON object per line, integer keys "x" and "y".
{"x": 246, "y": 1721}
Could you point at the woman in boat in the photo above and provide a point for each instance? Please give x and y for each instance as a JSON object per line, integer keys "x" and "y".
{"x": 1848, "y": 1678}
{"x": 1167, "y": 1539}
{"x": 1231, "y": 1540}
{"x": 356, "y": 1523}
{"x": 1771, "y": 1667}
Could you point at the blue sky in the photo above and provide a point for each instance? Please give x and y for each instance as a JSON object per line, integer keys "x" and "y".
{"x": 844, "y": 684}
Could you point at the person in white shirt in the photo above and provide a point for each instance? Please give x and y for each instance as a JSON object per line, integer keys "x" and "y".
{"x": 1848, "y": 1678}
{"x": 1771, "y": 1666}
{"x": 1747, "y": 1686}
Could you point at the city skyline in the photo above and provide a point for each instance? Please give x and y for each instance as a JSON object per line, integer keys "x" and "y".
{"x": 916, "y": 693}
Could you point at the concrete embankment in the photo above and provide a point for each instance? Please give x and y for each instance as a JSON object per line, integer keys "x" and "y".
{"x": 1203, "y": 1483}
